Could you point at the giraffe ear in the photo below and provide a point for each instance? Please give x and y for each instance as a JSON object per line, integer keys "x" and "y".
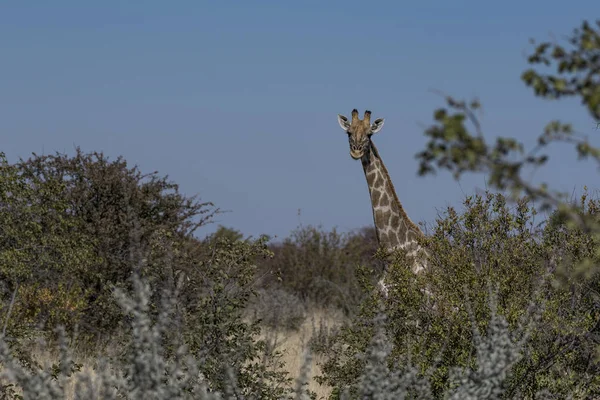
{"x": 377, "y": 125}
{"x": 343, "y": 121}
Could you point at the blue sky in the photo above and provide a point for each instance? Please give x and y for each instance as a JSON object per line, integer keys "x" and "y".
{"x": 237, "y": 101}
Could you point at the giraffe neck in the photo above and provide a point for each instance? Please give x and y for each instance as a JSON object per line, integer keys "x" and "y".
{"x": 393, "y": 227}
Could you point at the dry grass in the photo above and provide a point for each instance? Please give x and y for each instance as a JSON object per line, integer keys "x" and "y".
{"x": 47, "y": 357}
{"x": 294, "y": 344}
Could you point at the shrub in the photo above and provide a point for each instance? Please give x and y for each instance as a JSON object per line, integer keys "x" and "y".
{"x": 42, "y": 253}
{"x": 219, "y": 289}
{"x": 276, "y": 308}
{"x": 149, "y": 371}
{"x": 488, "y": 243}
{"x": 169, "y": 352}
{"x": 84, "y": 221}
{"x": 318, "y": 266}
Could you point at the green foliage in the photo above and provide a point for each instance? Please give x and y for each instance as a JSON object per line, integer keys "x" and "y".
{"x": 147, "y": 371}
{"x": 216, "y": 332}
{"x": 454, "y": 147}
{"x": 170, "y": 351}
{"x": 76, "y": 228}
{"x": 150, "y": 371}
{"x": 572, "y": 235}
{"x": 489, "y": 242}
{"x": 224, "y": 233}
{"x": 92, "y": 218}
{"x": 42, "y": 252}
{"x": 577, "y": 69}
{"x": 318, "y": 266}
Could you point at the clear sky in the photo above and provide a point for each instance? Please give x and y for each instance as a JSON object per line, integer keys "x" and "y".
{"x": 237, "y": 101}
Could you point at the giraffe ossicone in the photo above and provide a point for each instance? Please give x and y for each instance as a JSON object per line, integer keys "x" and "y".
{"x": 393, "y": 227}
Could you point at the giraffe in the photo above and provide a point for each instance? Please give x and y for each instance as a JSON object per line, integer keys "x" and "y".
{"x": 394, "y": 228}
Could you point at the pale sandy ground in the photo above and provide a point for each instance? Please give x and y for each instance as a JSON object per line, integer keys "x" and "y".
{"x": 292, "y": 344}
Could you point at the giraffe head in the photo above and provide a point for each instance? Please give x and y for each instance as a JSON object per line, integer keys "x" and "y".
{"x": 359, "y": 132}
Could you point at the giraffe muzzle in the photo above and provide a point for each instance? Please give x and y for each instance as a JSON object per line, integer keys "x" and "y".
{"x": 356, "y": 154}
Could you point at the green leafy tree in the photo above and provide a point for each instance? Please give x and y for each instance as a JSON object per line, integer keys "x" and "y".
{"x": 454, "y": 147}
{"x": 42, "y": 253}
{"x": 124, "y": 216}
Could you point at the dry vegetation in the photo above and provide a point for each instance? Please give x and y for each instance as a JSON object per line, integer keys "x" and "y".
{"x": 293, "y": 344}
